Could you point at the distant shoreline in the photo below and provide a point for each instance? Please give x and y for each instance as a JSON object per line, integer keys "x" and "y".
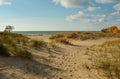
{"x": 41, "y": 33}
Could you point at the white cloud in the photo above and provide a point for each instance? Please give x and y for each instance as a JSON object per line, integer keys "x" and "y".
{"x": 115, "y": 13}
{"x": 117, "y": 6}
{"x": 79, "y": 15}
{"x": 73, "y": 3}
{"x": 105, "y": 1}
{"x": 5, "y": 2}
{"x": 98, "y": 20}
{"x": 86, "y": 18}
{"x": 93, "y": 8}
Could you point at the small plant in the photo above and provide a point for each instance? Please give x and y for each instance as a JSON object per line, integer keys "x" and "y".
{"x": 39, "y": 44}
{"x": 73, "y": 35}
{"x": 52, "y": 44}
{"x": 23, "y": 53}
{"x": 62, "y": 40}
{"x": 57, "y": 36}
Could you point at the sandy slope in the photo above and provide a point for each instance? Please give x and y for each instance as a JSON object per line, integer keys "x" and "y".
{"x": 63, "y": 62}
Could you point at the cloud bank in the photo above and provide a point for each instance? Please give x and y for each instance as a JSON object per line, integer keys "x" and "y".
{"x": 93, "y": 8}
{"x": 72, "y": 3}
{"x": 117, "y": 6}
{"x": 106, "y": 1}
{"x": 90, "y": 15}
{"x": 81, "y": 16}
{"x": 5, "y": 2}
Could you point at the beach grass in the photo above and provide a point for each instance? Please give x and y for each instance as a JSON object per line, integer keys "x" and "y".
{"x": 84, "y": 35}
{"x": 106, "y": 58}
{"x": 12, "y": 44}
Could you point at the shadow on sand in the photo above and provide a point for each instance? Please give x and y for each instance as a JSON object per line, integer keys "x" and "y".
{"x": 32, "y": 67}
{"x": 3, "y": 76}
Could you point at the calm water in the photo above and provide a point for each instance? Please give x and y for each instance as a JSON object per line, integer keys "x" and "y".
{"x": 44, "y": 32}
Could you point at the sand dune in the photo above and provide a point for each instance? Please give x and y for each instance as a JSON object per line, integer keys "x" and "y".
{"x": 62, "y": 62}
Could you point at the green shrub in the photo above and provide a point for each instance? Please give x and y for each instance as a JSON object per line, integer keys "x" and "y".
{"x": 12, "y": 44}
{"x": 23, "y": 53}
{"x": 3, "y": 51}
{"x": 39, "y": 44}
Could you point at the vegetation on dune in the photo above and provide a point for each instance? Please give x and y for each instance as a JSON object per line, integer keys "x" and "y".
{"x": 39, "y": 44}
{"x": 106, "y": 58}
{"x": 112, "y": 29}
{"x": 63, "y": 40}
{"x": 11, "y": 44}
{"x": 84, "y": 36}
{"x": 3, "y": 50}
{"x": 65, "y": 35}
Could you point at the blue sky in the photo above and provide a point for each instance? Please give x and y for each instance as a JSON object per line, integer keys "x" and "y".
{"x": 70, "y": 15}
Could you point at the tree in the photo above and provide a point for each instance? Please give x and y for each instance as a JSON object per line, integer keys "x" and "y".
{"x": 8, "y": 28}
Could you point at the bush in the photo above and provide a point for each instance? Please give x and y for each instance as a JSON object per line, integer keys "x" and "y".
{"x": 62, "y": 40}
{"x": 73, "y": 35}
{"x": 39, "y": 44}
{"x": 23, "y": 54}
{"x": 3, "y": 51}
{"x": 12, "y": 44}
{"x": 57, "y": 36}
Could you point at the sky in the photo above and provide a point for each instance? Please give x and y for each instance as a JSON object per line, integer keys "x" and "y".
{"x": 59, "y": 15}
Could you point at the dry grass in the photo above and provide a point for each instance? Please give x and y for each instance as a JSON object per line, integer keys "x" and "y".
{"x": 63, "y": 40}
{"x": 84, "y": 36}
{"x": 66, "y": 35}
{"x": 106, "y": 58}
{"x": 39, "y": 44}
{"x": 11, "y": 44}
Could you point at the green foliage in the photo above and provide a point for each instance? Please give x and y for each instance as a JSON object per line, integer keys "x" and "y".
{"x": 12, "y": 44}
{"x": 39, "y": 44}
{"x": 23, "y": 53}
{"x": 3, "y": 51}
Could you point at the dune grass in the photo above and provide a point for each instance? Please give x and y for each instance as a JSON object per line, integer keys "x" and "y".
{"x": 3, "y": 50}
{"x": 12, "y": 44}
{"x": 84, "y": 35}
{"x": 106, "y": 58}
{"x": 63, "y": 41}
{"x": 39, "y": 44}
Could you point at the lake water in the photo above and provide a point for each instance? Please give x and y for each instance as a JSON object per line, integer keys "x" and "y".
{"x": 45, "y": 32}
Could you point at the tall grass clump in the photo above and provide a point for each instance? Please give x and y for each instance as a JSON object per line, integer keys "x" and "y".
{"x": 23, "y": 53}
{"x": 107, "y": 59}
{"x": 39, "y": 44}
{"x": 63, "y": 41}
{"x": 11, "y": 44}
{"x": 3, "y": 51}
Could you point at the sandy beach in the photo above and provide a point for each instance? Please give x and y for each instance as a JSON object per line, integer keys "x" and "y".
{"x": 60, "y": 39}
{"x": 62, "y": 62}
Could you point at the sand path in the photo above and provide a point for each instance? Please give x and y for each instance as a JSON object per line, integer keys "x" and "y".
{"x": 75, "y": 62}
